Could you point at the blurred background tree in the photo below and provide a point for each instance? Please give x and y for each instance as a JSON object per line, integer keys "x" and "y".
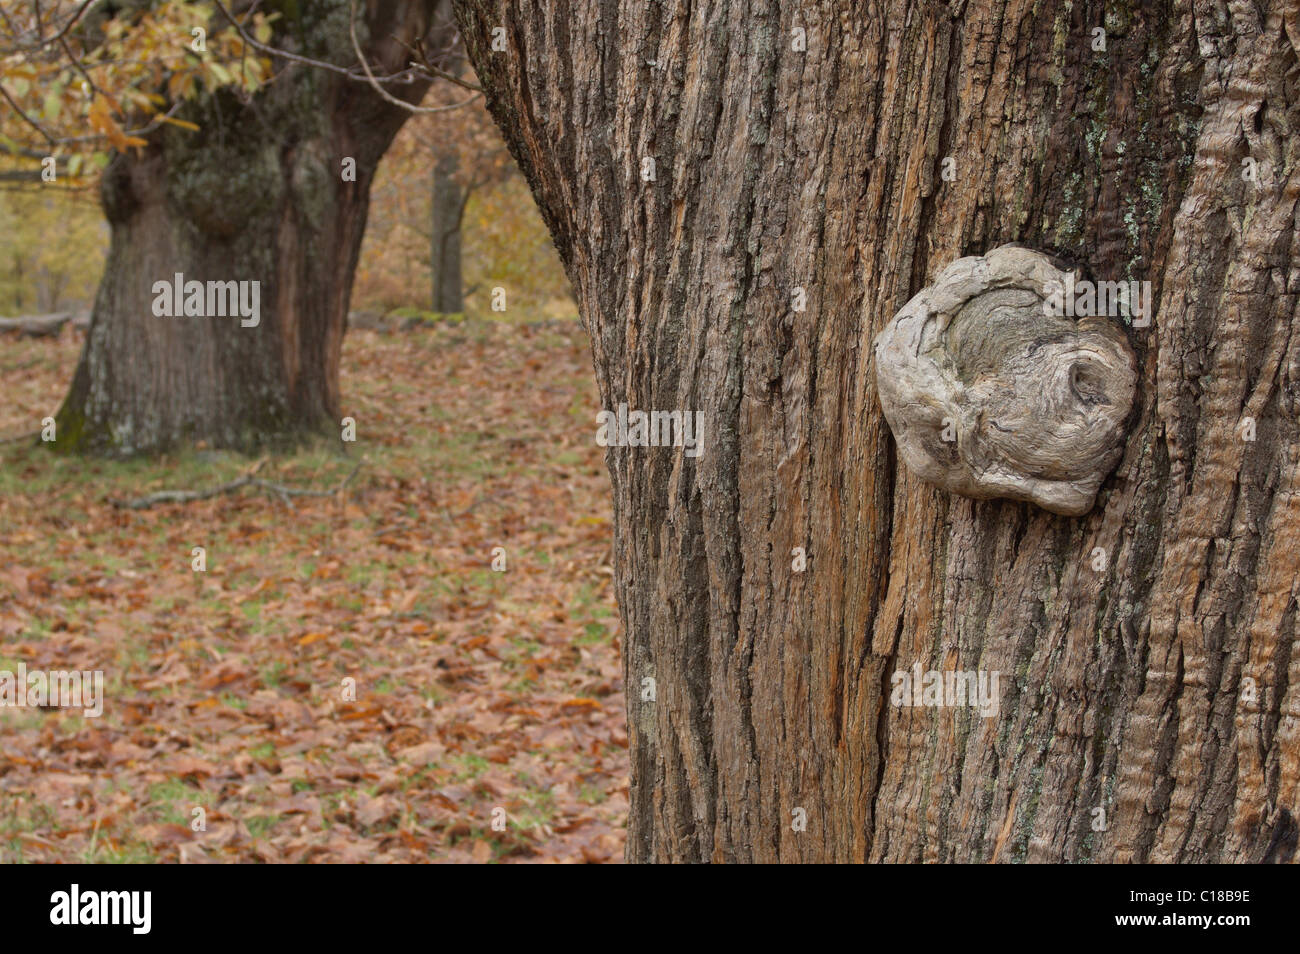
{"x": 79, "y": 81}
{"x": 489, "y": 229}
{"x": 53, "y": 238}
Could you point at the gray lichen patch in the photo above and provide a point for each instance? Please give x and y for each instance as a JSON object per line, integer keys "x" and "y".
{"x": 992, "y": 393}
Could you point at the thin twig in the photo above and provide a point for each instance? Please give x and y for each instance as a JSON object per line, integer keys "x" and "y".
{"x": 40, "y": 27}
{"x": 76, "y": 61}
{"x": 374, "y": 83}
{"x": 31, "y": 122}
{"x": 349, "y": 72}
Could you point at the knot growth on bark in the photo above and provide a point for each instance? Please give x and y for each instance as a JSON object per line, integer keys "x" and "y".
{"x": 991, "y": 391}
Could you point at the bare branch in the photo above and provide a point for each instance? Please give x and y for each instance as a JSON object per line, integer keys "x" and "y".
{"x": 249, "y": 479}
{"x": 384, "y": 94}
{"x": 27, "y": 119}
{"x": 349, "y": 72}
{"x": 43, "y": 41}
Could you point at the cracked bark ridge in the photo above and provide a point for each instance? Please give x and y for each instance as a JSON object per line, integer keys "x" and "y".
{"x": 989, "y": 393}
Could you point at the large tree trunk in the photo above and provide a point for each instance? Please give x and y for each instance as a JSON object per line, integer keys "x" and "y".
{"x": 1126, "y": 689}
{"x": 264, "y": 192}
{"x": 448, "y": 213}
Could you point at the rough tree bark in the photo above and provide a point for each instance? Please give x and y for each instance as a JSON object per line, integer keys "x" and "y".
{"x": 1127, "y": 688}
{"x": 258, "y": 194}
{"x": 448, "y": 212}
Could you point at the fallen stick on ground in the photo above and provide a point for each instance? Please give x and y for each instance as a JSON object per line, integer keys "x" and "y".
{"x": 37, "y": 326}
{"x": 249, "y": 479}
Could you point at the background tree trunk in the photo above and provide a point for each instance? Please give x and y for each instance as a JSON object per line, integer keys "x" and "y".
{"x": 257, "y": 194}
{"x": 1125, "y": 689}
{"x": 448, "y": 211}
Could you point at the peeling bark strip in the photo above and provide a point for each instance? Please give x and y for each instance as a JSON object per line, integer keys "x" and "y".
{"x": 1155, "y": 682}
{"x": 255, "y": 197}
{"x": 991, "y": 392}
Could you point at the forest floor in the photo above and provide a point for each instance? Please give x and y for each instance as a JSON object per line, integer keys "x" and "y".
{"x": 226, "y": 690}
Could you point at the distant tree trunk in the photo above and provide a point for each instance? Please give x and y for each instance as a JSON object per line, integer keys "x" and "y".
{"x": 804, "y": 146}
{"x": 448, "y": 213}
{"x": 20, "y": 286}
{"x": 258, "y": 194}
{"x": 49, "y": 289}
